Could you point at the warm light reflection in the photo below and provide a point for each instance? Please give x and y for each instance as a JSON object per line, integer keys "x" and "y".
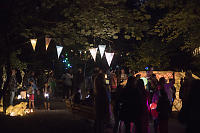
{"x": 33, "y": 42}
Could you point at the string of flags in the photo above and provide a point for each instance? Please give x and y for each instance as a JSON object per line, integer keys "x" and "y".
{"x": 93, "y": 51}
{"x": 47, "y": 42}
{"x": 109, "y": 56}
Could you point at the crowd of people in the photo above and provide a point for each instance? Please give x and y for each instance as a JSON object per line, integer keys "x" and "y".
{"x": 34, "y": 91}
{"x": 126, "y": 98}
{"x": 133, "y": 102}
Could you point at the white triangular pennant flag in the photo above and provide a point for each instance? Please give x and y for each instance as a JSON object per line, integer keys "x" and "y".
{"x": 59, "y": 50}
{"x": 109, "y": 57}
{"x": 47, "y": 41}
{"x": 102, "y": 49}
{"x": 93, "y": 52}
{"x": 33, "y": 42}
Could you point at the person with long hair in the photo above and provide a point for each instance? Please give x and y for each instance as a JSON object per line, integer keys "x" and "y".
{"x": 101, "y": 103}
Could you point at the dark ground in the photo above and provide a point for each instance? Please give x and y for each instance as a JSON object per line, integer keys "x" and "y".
{"x": 60, "y": 120}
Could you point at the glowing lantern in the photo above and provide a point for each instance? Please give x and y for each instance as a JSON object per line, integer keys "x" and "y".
{"x": 93, "y": 52}
{"x": 47, "y": 41}
{"x": 33, "y": 42}
{"x": 17, "y": 110}
{"x": 109, "y": 57}
{"x": 102, "y": 49}
{"x": 153, "y": 105}
{"x": 59, "y": 50}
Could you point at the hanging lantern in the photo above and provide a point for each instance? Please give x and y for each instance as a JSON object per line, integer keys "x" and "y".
{"x": 102, "y": 49}
{"x": 33, "y": 42}
{"x": 47, "y": 41}
{"x": 93, "y": 52}
{"x": 109, "y": 57}
{"x": 59, "y": 50}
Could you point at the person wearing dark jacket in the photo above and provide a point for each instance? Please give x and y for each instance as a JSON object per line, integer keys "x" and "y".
{"x": 101, "y": 103}
{"x": 12, "y": 86}
{"x": 163, "y": 108}
{"x": 131, "y": 104}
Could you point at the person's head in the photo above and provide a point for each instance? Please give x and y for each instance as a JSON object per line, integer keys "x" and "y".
{"x": 162, "y": 81}
{"x": 153, "y": 75}
{"x": 46, "y": 84}
{"x": 79, "y": 70}
{"x": 131, "y": 82}
{"x": 138, "y": 76}
{"x": 122, "y": 71}
{"x": 31, "y": 82}
{"x": 13, "y": 71}
{"x": 33, "y": 73}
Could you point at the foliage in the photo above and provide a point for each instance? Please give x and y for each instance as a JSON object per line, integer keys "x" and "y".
{"x": 15, "y": 62}
{"x": 182, "y": 21}
{"x": 149, "y": 53}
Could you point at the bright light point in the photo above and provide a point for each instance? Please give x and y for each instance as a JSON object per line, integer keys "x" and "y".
{"x": 19, "y": 97}
{"x": 106, "y": 76}
{"x": 87, "y": 96}
{"x": 144, "y": 80}
{"x": 46, "y": 95}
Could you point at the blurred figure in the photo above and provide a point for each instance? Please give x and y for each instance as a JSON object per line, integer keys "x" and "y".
{"x": 78, "y": 82}
{"x": 143, "y": 118}
{"x": 52, "y": 82}
{"x": 12, "y": 85}
{"x": 113, "y": 80}
{"x": 47, "y": 95}
{"x": 123, "y": 77}
{"x": 67, "y": 81}
{"x": 131, "y": 105}
{"x": 188, "y": 79}
{"x": 163, "y": 108}
{"x": 181, "y": 89}
{"x": 31, "y": 92}
{"x": 101, "y": 103}
{"x": 192, "y": 116}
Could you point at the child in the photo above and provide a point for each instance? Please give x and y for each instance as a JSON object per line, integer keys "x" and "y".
{"x": 31, "y": 91}
{"x": 47, "y": 92}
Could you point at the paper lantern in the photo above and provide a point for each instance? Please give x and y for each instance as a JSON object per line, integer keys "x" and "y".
{"x": 47, "y": 41}
{"x": 153, "y": 105}
{"x": 102, "y": 49}
{"x": 109, "y": 57}
{"x": 93, "y": 52}
{"x": 33, "y": 42}
{"x": 59, "y": 50}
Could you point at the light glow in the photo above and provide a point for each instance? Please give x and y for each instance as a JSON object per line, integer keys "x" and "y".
{"x": 33, "y": 42}
{"x": 47, "y": 41}
{"x": 102, "y": 49}
{"x": 93, "y": 52}
{"x": 109, "y": 57}
{"x": 59, "y": 50}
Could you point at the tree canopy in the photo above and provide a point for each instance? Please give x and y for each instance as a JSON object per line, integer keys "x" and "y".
{"x": 155, "y": 29}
